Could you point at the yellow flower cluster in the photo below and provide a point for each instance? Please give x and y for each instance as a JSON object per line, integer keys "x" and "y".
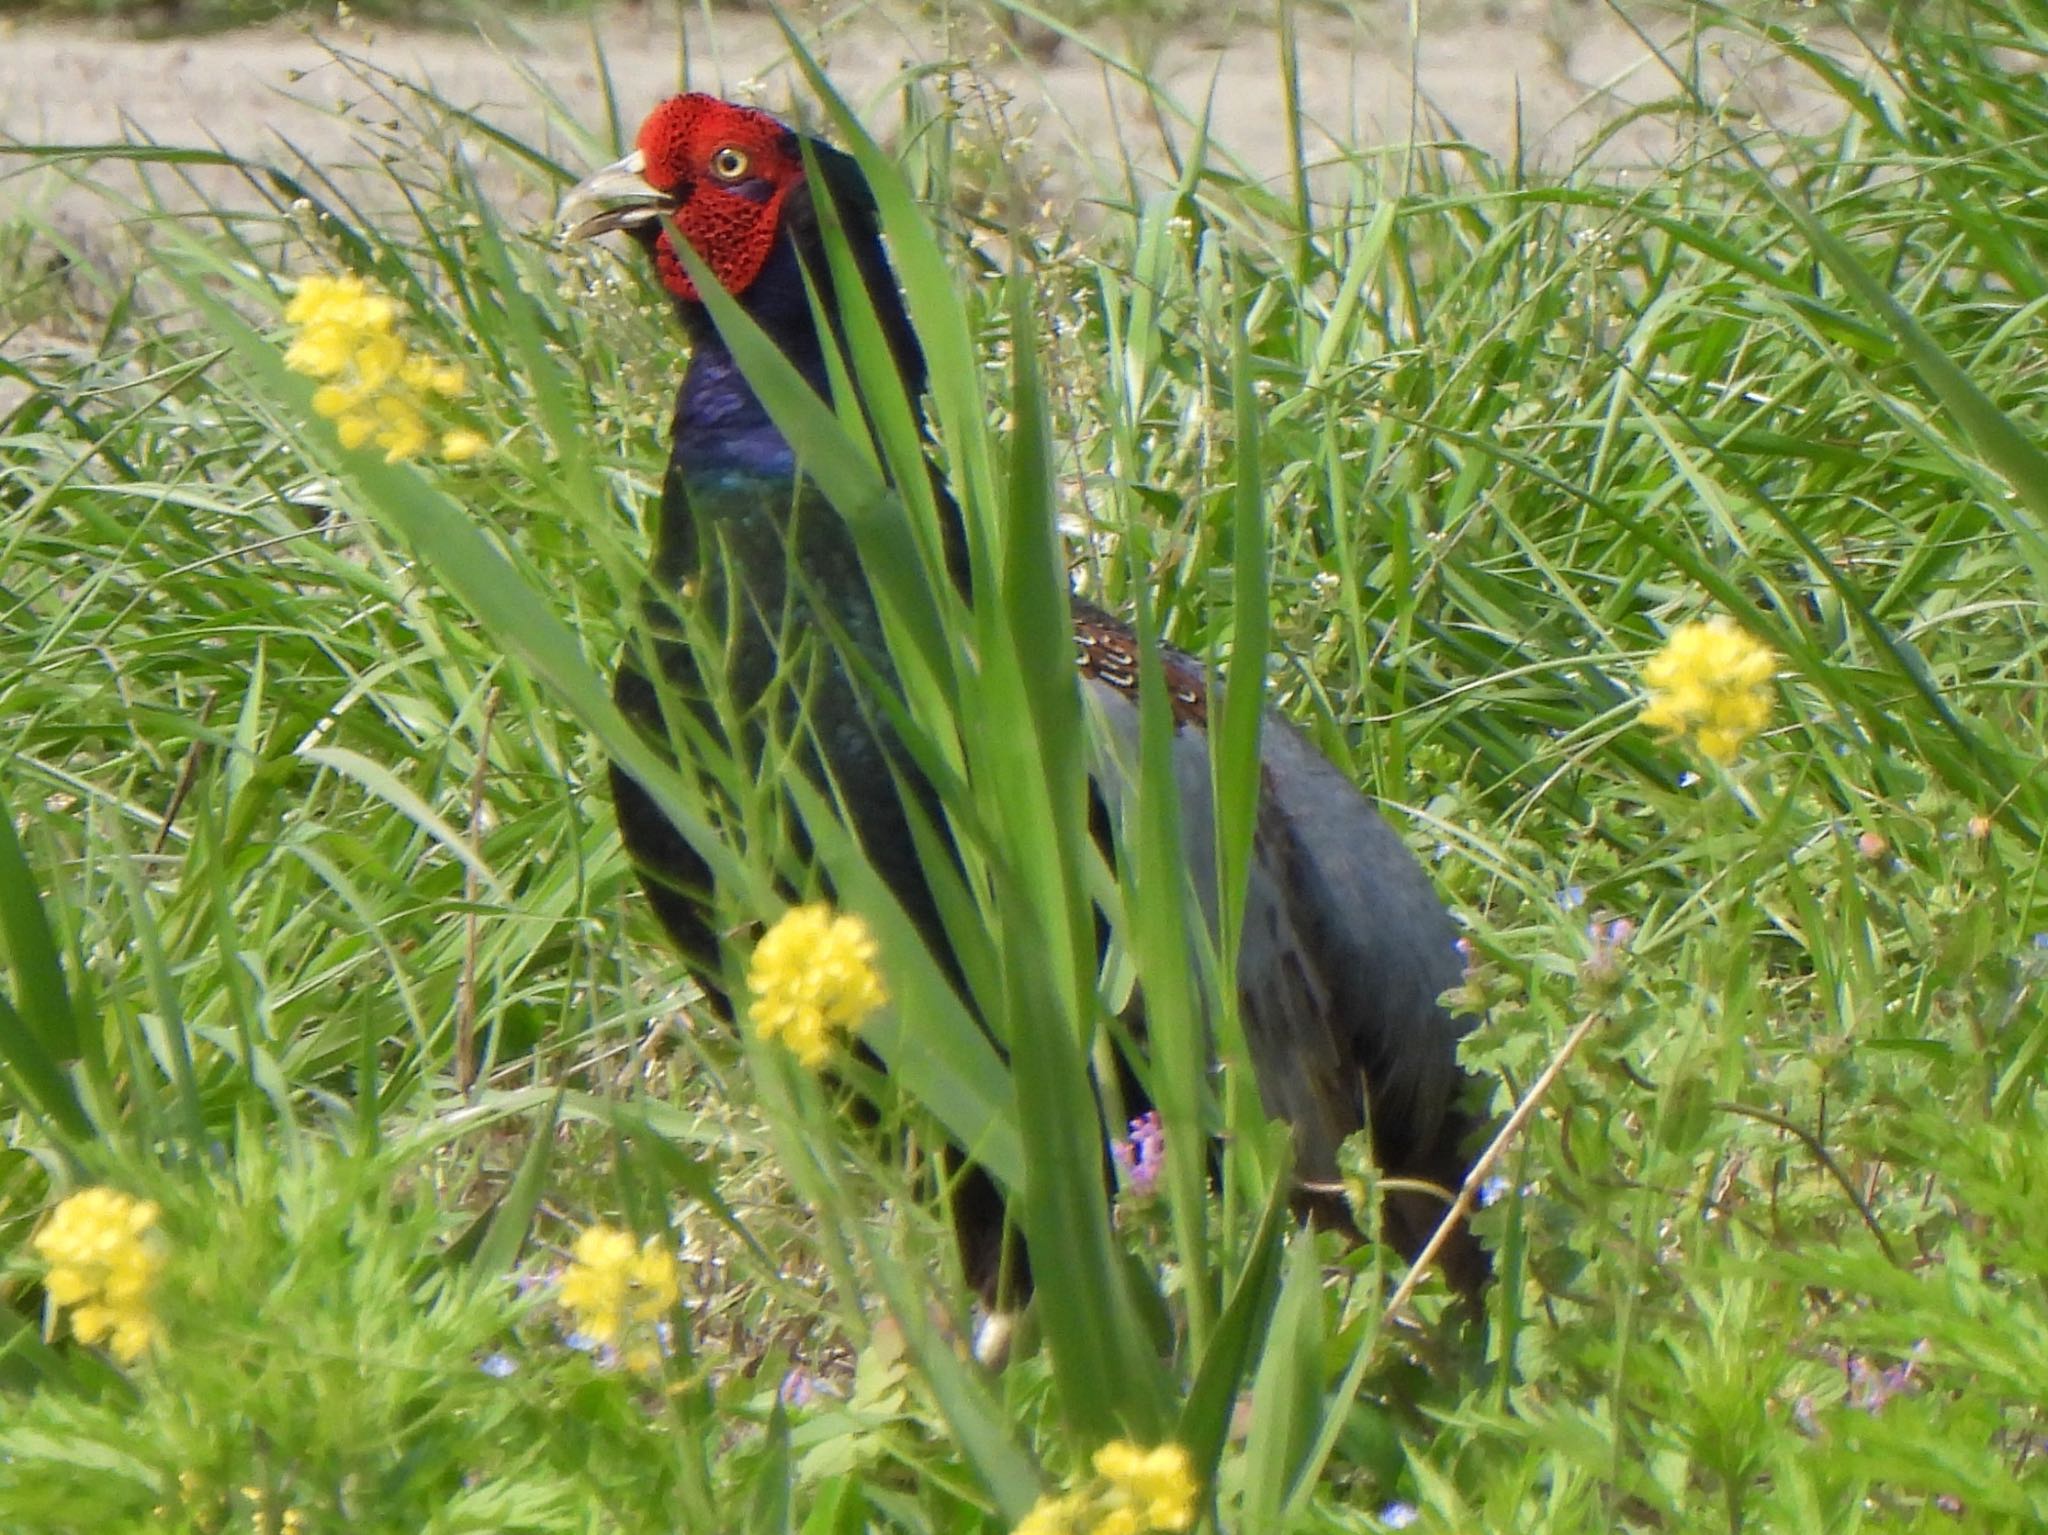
{"x": 1135, "y": 1490}
{"x": 288, "y": 1521}
{"x": 616, "y": 1290}
{"x": 1710, "y": 682}
{"x": 105, "y": 1254}
{"x": 205, "y": 1511}
{"x": 813, "y": 978}
{"x": 374, "y": 387}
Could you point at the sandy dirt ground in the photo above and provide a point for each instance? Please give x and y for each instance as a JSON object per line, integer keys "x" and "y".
{"x": 1547, "y": 75}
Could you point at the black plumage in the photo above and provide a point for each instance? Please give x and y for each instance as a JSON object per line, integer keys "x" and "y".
{"x": 1346, "y": 947}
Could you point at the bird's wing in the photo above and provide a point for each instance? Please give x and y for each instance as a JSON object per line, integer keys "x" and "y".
{"x": 1385, "y": 945}
{"x": 1304, "y": 1072}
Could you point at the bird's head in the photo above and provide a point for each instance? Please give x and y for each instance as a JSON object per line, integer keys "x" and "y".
{"x": 723, "y": 175}
{"x": 743, "y": 188}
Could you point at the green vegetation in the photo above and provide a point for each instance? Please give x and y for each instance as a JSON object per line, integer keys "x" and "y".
{"x": 316, "y": 931}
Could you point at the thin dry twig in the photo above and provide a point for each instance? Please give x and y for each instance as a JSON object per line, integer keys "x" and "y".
{"x": 1468, "y": 1193}
{"x": 465, "y": 995}
{"x": 1833, "y": 1168}
{"x": 188, "y": 775}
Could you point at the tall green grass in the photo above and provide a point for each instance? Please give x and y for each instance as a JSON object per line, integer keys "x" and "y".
{"x": 316, "y": 930}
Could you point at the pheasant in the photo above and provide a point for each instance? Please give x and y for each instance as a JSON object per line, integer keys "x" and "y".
{"x": 1346, "y": 947}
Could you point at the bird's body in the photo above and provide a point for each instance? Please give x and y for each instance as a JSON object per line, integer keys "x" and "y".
{"x": 764, "y": 559}
{"x": 800, "y": 661}
{"x": 1342, "y": 955}
{"x": 1345, "y": 947}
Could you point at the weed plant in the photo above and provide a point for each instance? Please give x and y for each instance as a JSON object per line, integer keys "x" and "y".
{"x": 317, "y": 932}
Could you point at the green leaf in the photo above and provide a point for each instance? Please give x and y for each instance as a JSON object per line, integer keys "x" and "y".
{"x": 33, "y": 1044}
{"x": 503, "y": 1232}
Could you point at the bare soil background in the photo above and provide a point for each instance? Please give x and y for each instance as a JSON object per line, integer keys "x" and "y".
{"x": 1547, "y": 77}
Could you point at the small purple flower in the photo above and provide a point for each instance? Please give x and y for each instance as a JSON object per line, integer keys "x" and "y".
{"x": 799, "y": 1388}
{"x": 1606, "y": 943}
{"x": 1492, "y": 1191}
{"x": 1615, "y": 935}
{"x": 2041, "y": 941}
{"x": 1687, "y": 779}
{"x": 498, "y": 1366}
{"x": 1398, "y": 1516}
{"x": 1572, "y": 897}
{"x": 1870, "y": 1388}
{"x": 1142, "y": 1156}
{"x": 1804, "y": 1418}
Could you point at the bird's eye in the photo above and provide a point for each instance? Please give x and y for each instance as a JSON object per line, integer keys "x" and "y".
{"x": 729, "y": 164}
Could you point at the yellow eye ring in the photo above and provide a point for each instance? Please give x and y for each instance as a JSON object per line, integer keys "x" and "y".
{"x": 729, "y": 164}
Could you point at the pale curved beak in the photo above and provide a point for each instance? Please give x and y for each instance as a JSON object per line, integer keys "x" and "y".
{"x": 625, "y": 195}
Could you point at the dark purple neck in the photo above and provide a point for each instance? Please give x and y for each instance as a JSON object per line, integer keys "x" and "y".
{"x": 723, "y": 434}
{"x": 720, "y": 424}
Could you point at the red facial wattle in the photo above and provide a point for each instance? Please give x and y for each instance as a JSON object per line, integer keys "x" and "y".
{"x": 730, "y": 169}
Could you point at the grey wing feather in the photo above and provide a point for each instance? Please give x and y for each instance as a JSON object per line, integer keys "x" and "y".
{"x": 1344, "y": 951}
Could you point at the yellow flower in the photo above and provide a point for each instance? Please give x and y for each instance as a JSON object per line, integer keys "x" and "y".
{"x": 379, "y": 360}
{"x": 430, "y": 377}
{"x": 462, "y": 445}
{"x": 203, "y": 1509}
{"x": 613, "y": 1284}
{"x": 813, "y": 978}
{"x": 1155, "y": 1487}
{"x": 1054, "y": 1516}
{"x": 1135, "y": 1491}
{"x": 374, "y": 387}
{"x": 1711, "y": 682}
{"x": 401, "y": 432}
{"x": 334, "y": 317}
{"x": 331, "y": 400}
{"x": 292, "y": 1521}
{"x": 105, "y": 1255}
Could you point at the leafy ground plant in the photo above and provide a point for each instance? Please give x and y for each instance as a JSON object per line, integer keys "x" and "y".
{"x": 319, "y": 952}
